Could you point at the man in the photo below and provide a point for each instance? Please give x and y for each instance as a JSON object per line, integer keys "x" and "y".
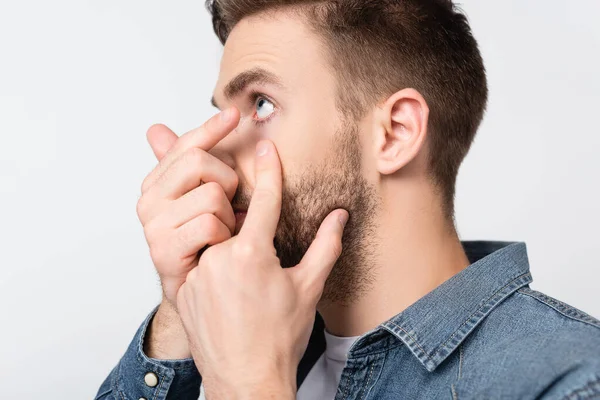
{"x": 360, "y": 113}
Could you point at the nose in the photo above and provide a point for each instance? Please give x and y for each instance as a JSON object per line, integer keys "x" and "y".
{"x": 238, "y": 152}
{"x": 225, "y": 156}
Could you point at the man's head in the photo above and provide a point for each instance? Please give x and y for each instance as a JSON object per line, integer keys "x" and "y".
{"x": 362, "y": 98}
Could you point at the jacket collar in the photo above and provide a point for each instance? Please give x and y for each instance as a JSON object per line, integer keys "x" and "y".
{"x": 435, "y": 325}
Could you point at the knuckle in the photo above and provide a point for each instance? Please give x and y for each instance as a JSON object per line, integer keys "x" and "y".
{"x": 210, "y": 225}
{"x": 151, "y": 179}
{"x": 145, "y": 184}
{"x": 192, "y": 275}
{"x": 196, "y": 157}
{"x": 151, "y": 233}
{"x": 232, "y": 183}
{"x": 140, "y": 208}
{"x": 157, "y": 253}
{"x": 235, "y": 179}
{"x": 181, "y": 242}
{"x": 162, "y": 176}
{"x": 243, "y": 249}
{"x": 213, "y": 192}
{"x": 208, "y": 254}
{"x": 336, "y": 248}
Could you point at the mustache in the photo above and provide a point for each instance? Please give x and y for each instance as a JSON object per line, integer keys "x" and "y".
{"x": 241, "y": 199}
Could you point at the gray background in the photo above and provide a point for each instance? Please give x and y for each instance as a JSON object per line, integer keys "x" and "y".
{"x": 81, "y": 81}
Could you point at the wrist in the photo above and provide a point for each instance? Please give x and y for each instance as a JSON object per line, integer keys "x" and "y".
{"x": 269, "y": 391}
{"x": 272, "y": 383}
{"x": 165, "y": 337}
{"x": 272, "y": 389}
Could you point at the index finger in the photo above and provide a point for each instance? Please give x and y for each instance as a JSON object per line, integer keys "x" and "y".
{"x": 265, "y": 206}
{"x": 204, "y": 137}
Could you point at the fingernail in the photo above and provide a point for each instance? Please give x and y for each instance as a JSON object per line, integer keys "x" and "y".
{"x": 226, "y": 115}
{"x": 343, "y": 217}
{"x": 262, "y": 149}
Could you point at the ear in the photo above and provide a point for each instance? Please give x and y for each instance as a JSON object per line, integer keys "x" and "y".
{"x": 400, "y": 130}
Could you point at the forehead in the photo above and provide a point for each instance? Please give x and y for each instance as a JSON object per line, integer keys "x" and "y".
{"x": 280, "y": 43}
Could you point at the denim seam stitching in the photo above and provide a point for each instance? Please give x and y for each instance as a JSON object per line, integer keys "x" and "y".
{"x": 382, "y": 360}
{"x": 454, "y": 396}
{"x": 385, "y": 350}
{"x": 158, "y": 389}
{"x": 559, "y": 304}
{"x": 346, "y": 386}
{"x": 411, "y": 340}
{"x": 562, "y": 307}
{"x": 460, "y": 360}
{"x": 490, "y": 303}
{"x": 365, "y": 388}
{"x": 119, "y": 391}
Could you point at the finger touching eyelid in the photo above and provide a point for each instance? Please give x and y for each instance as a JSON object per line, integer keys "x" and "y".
{"x": 260, "y": 111}
{"x": 240, "y": 126}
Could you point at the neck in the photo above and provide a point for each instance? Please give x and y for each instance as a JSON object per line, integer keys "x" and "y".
{"x": 416, "y": 252}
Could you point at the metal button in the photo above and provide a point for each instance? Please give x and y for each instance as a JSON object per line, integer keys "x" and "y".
{"x": 143, "y": 398}
{"x": 151, "y": 379}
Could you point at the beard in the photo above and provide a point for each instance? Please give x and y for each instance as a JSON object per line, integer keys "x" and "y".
{"x": 308, "y": 196}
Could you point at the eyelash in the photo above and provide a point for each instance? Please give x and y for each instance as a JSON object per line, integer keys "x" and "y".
{"x": 254, "y": 97}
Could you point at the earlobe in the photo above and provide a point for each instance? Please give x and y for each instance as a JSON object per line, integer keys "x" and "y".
{"x": 400, "y": 131}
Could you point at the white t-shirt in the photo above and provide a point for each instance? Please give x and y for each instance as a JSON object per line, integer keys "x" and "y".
{"x": 324, "y": 377}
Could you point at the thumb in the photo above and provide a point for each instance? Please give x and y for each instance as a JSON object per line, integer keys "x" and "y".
{"x": 161, "y": 139}
{"x": 314, "y": 268}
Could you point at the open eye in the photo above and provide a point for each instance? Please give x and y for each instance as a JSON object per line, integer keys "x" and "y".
{"x": 264, "y": 108}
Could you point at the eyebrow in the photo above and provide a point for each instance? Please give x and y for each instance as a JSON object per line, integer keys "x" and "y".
{"x": 252, "y": 76}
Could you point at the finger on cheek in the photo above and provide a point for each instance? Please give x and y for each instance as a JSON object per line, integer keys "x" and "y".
{"x": 264, "y": 150}
{"x": 342, "y": 219}
{"x": 267, "y": 164}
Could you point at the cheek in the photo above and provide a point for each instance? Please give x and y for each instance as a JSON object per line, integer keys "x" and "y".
{"x": 269, "y": 131}
{"x": 300, "y": 142}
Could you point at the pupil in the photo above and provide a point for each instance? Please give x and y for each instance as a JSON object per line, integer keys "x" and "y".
{"x": 261, "y": 102}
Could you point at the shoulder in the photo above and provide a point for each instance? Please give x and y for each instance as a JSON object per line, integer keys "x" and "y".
{"x": 567, "y": 311}
{"x": 529, "y": 320}
{"x": 533, "y": 345}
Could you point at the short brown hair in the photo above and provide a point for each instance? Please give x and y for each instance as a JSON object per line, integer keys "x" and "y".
{"x": 377, "y": 47}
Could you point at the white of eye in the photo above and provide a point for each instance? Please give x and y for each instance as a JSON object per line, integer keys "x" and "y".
{"x": 264, "y": 108}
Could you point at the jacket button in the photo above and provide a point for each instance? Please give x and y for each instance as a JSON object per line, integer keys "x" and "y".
{"x": 151, "y": 379}
{"x": 143, "y": 398}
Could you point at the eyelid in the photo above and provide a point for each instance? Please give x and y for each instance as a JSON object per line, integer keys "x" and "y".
{"x": 255, "y": 95}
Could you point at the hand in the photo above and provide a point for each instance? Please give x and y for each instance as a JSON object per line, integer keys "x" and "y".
{"x": 247, "y": 319}
{"x": 179, "y": 215}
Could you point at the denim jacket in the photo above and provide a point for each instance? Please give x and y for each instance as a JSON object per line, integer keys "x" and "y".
{"x": 482, "y": 334}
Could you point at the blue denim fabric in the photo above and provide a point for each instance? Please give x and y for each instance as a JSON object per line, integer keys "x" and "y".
{"x": 482, "y": 334}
